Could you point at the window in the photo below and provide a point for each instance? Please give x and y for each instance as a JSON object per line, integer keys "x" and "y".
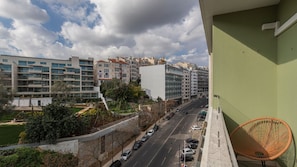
{"x": 105, "y": 65}
{"x": 44, "y": 63}
{"x": 31, "y": 62}
{"x": 22, "y": 63}
{"x": 4, "y": 60}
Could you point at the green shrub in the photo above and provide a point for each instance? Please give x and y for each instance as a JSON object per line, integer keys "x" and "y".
{"x": 54, "y": 159}
{"x": 30, "y": 157}
{"x": 9, "y": 161}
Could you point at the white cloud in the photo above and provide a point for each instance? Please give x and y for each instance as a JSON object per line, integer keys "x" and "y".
{"x": 154, "y": 45}
{"x": 22, "y": 10}
{"x": 108, "y": 28}
{"x": 132, "y": 16}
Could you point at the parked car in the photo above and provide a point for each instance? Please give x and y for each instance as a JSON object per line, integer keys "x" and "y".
{"x": 150, "y": 132}
{"x": 126, "y": 154}
{"x": 187, "y": 157}
{"x": 188, "y": 151}
{"x": 144, "y": 138}
{"x": 137, "y": 145}
{"x": 156, "y": 127}
{"x": 195, "y": 127}
{"x": 116, "y": 163}
{"x": 192, "y": 145}
{"x": 191, "y": 140}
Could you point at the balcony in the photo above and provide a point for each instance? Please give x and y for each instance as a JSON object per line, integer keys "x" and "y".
{"x": 216, "y": 147}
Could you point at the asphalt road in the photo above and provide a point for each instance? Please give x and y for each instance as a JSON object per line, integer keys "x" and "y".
{"x": 163, "y": 148}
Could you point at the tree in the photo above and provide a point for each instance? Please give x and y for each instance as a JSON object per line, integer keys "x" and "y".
{"x": 55, "y": 122}
{"x": 61, "y": 91}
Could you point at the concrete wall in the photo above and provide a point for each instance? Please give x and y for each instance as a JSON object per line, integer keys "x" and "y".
{"x": 97, "y": 148}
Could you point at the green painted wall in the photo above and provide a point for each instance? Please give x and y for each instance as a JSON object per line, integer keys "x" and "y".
{"x": 254, "y": 72}
{"x": 244, "y": 65}
{"x": 287, "y": 68}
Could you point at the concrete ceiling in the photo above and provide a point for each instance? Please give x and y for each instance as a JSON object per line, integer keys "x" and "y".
{"x": 210, "y": 8}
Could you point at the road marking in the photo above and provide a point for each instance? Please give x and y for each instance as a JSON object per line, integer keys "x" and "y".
{"x": 163, "y": 161}
{"x": 144, "y": 153}
{"x": 165, "y": 142}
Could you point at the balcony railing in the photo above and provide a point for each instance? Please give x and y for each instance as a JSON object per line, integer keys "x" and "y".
{"x": 217, "y": 148}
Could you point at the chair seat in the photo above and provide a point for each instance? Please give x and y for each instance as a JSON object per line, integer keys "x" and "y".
{"x": 262, "y": 138}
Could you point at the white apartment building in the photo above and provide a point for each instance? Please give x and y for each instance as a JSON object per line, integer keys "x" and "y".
{"x": 34, "y": 77}
{"x": 194, "y": 83}
{"x": 186, "y": 85}
{"x": 164, "y": 81}
{"x": 113, "y": 68}
{"x": 203, "y": 81}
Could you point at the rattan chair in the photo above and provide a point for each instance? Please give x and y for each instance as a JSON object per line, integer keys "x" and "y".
{"x": 262, "y": 139}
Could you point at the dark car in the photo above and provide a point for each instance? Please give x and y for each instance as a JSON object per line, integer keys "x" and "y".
{"x": 144, "y": 138}
{"x": 156, "y": 127}
{"x": 193, "y": 145}
{"x": 187, "y": 157}
{"x": 137, "y": 145}
{"x": 116, "y": 163}
{"x": 191, "y": 140}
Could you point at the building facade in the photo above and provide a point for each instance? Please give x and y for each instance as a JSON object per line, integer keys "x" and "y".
{"x": 112, "y": 68}
{"x": 186, "y": 85}
{"x": 194, "y": 83}
{"x": 34, "y": 77}
{"x": 162, "y": 81}
{"x": 202, "y": 81}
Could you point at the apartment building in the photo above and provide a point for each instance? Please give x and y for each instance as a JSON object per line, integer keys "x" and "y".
{"x": 34, "y": 77}
{"x": 134, "y": 67}
{"x": 194, "y": 83}
{"x": 202, "y": 81}
{"x": 112, "y": 68}
{"x": 164, "y": 81}
{"x": 186, "y": 85}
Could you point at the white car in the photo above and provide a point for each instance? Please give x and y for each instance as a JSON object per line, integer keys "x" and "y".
{"x": 150, "y": 132}
{"x": 195, "y": 127}
{"x": 126, "y": 154}
{"x": 188, "y": 151}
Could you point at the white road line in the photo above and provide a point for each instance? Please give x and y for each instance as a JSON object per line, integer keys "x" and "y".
{"x": 165, "y": 142}
{"x": 163, "y": 161}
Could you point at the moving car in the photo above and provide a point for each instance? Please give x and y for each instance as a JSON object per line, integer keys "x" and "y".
{"x": 116, "y": 163}
{"x": 126, "y": 154}
{"x": 188, "y": 151}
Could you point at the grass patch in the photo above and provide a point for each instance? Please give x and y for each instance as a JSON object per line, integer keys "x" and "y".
{"x": 10, "y": 134}
{"x": 75, "y": 110}
{"x": 7, "y": 116}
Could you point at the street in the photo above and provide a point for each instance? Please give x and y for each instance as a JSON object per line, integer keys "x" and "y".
{"x": 163, "y": 148}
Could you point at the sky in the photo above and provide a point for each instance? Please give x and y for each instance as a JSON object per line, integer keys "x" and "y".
{"x": 102, "y": 29}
